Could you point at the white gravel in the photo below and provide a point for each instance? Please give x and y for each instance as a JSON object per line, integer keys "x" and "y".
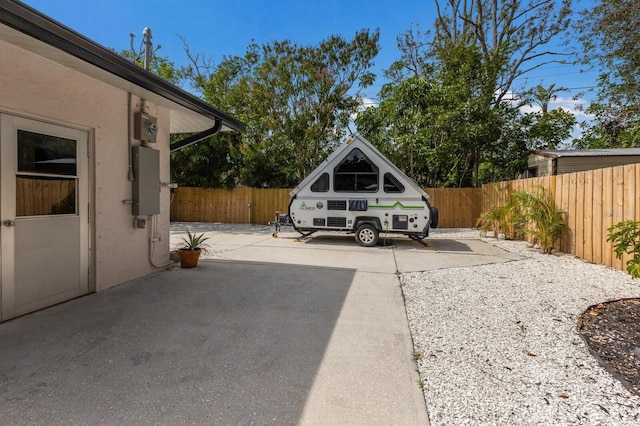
{"x": 498, "y": 343}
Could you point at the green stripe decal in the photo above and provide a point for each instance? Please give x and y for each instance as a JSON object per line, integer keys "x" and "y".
{"x": 398, "y": 204}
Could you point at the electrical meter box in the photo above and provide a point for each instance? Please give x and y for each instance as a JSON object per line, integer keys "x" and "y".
{"x": 146, "y": 186}
{"x": 145, "y": 127}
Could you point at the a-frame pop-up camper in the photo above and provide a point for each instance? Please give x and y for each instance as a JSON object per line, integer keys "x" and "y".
{"x": 357, "y": 189}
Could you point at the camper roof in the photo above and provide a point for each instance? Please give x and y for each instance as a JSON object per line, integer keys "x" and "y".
{"x": 353, "y": 142}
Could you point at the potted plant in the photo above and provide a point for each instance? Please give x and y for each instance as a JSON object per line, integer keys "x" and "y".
{"x": 191, "y": 248}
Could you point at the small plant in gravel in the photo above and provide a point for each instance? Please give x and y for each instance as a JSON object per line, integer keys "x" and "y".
{"x": 526, "y": 212}
{"x": 625, "y": 236}
{"x": 504, "y": 218}
{"x": 421, "y": 384}
{"x": 542, "y": 216}
{"x": 416, "y": 355}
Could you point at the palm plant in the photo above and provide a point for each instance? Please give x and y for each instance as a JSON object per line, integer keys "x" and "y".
{"x": 545, "y": 220}
{"x": 504, "y": 218}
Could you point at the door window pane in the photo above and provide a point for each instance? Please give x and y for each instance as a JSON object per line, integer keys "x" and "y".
{"x": 38, "y": 153}
{"x": 46, "y": 175}
{"x": 36, "y": 196}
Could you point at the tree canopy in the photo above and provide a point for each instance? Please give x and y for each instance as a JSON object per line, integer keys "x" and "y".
{"x": 611, "y": 42}
{"x": 297, "y": 102}
{"x": 467, "y": 67}
{"x": 450, "y": 113}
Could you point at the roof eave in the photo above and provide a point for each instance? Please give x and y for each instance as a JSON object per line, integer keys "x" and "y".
{"x": 33, "y": 23}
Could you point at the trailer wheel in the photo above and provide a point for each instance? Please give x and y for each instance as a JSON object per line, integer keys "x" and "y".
{"x": 367, "y": 235}
{"x": 434, "y": 217}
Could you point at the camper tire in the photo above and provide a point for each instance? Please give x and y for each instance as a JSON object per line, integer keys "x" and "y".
{"x": 367, "y": 235}
{"x": 433, "y": 211}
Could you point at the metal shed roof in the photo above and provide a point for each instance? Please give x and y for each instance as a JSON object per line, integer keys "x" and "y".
{"x": 588, "y": 152}
{"x": 33, "y": 31}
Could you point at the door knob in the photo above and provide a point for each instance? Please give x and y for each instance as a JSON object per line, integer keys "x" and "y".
{"x": 9, "y": 223}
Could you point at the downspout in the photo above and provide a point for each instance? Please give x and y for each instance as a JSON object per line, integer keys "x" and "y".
{"x": 198, "y": 136}
{"x": 130, "y": 176}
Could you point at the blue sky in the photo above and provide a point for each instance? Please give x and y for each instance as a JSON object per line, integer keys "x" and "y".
{"x": 215, "y": 28}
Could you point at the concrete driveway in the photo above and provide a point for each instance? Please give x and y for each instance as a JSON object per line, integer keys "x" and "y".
{"x": 265, "y": 331}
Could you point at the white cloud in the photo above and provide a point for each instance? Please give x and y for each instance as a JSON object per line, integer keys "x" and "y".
{"x": 367, "y": 103}
{"x": 576, "y": 107}
{"x": 571, "y": 105}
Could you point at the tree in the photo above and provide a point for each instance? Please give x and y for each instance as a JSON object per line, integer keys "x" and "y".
{"x": 297, "y": 101}
{"x": 546, "y": 129}
{"x": 612, "y": 126}
{"x": 473, "y": 56}
{"x": 513, "y": 36}
{"x": 611, "y": 42}
{"x": 433, "y": 120}
{"x": 216, "y": 162}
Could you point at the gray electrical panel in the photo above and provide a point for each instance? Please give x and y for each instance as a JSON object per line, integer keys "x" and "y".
{"x": 146, "y": 186}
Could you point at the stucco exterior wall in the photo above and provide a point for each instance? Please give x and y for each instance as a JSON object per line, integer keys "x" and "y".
{"x": 36, "y": 88}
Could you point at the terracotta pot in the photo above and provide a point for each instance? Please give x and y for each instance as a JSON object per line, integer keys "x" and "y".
{"x": 189, "y": 258}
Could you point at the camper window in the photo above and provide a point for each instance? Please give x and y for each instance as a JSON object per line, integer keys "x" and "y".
{"x": 356, "y": 173}
{"x": 321, "y": 184}
{"x": 391, "y": 184}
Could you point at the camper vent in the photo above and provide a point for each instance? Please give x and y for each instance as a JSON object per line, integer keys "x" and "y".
{"x": 318, "y": 221}
{"x": 336, "y": 204}
{"x": 337, "y": 222}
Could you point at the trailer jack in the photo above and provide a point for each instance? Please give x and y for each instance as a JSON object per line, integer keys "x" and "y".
{"x": 280, "y": 221}
{"x": 419, "y": 239}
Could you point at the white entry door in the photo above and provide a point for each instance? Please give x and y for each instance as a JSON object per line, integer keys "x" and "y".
{"x": 44, "y": 212}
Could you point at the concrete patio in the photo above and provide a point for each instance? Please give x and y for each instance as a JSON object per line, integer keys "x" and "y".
{"x": 265, "y": 331}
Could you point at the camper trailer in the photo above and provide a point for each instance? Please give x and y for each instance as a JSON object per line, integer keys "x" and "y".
{"x": 358, "y": 190}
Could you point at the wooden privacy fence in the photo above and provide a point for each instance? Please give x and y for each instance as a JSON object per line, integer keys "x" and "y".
{"x": 457, "y": 207}
{"x": 239, "y": 205}
{"x": 592, "y": 200}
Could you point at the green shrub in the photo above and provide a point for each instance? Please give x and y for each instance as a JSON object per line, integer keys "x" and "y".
{"x": 625, "y": 236}
{"x": 505, "y": 218}
{"x": 544, "y": 219}
{"x": 533, "y": 213}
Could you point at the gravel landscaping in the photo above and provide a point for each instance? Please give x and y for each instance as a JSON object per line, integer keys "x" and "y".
{"x": 498, "y": 343}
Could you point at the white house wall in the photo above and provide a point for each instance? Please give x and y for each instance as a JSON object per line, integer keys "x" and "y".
{"x": 37, "y": 88}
